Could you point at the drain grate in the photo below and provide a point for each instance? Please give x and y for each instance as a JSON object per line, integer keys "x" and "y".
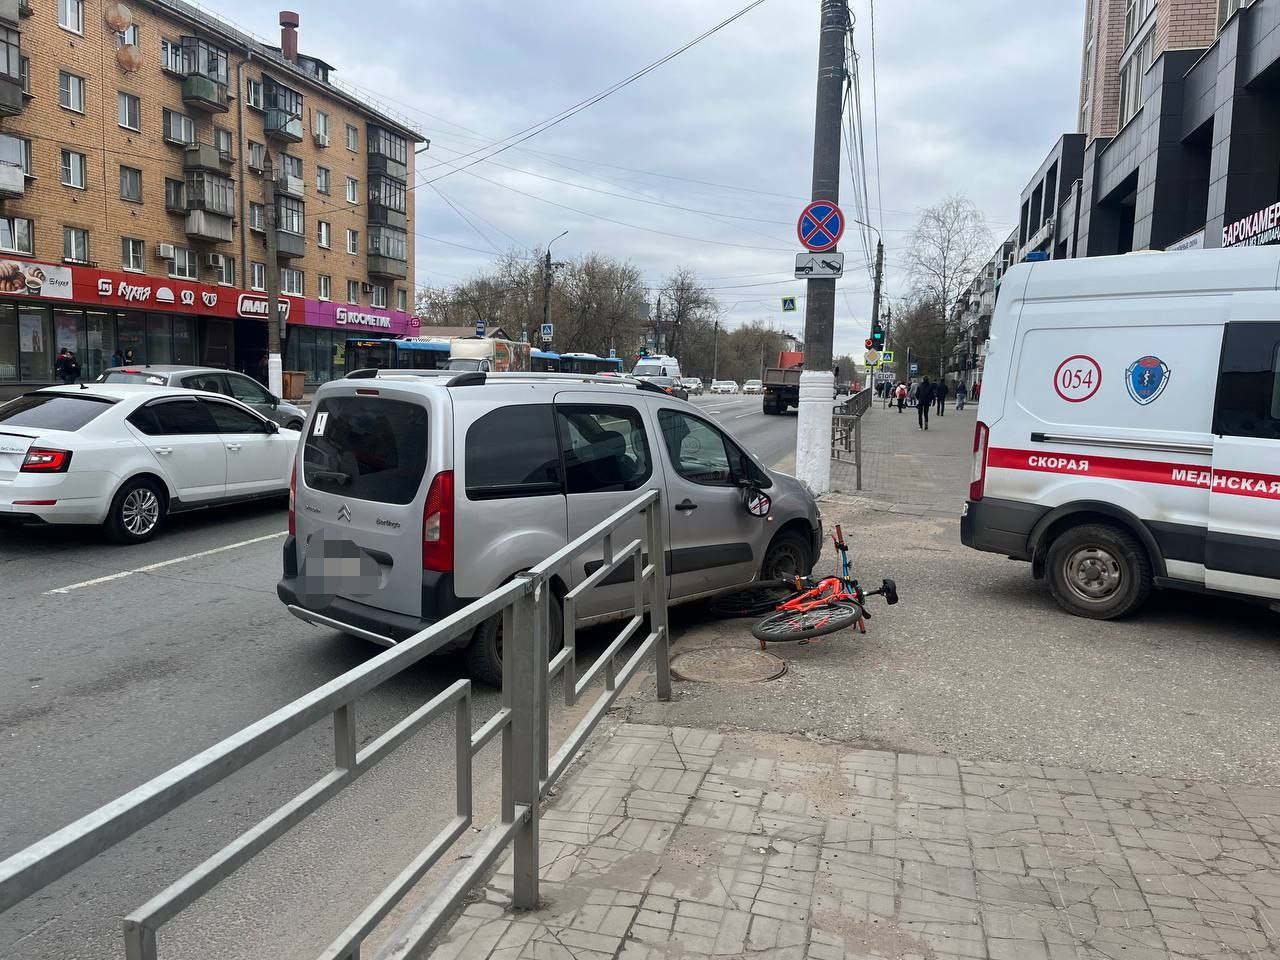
{"x": 728, "y": 666}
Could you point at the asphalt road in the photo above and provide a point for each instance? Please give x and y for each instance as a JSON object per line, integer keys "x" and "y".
{"x": 113, "y": 674}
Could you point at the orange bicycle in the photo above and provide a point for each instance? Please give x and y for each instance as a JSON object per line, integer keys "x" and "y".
{"x": 822, "y": 606}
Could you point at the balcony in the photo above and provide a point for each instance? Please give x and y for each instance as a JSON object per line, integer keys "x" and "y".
{"x": 12, "y": 101}
{"x": 210, "y": 226}
{"x": 382, "y": 164}
{"x": 382, "y": 215}
{"x": 388, "y": 268}
{"x": 290, "y": 185}
{"x": 290, "y": 245}
{"x": 283, "y": 126}
{"x": 203, "y": 93}
{"x": 205, "y": 156}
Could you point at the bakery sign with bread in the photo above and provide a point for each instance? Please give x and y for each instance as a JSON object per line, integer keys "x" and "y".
{"x": 35, "y": 279}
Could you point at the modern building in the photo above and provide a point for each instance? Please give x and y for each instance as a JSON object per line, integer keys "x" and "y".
{"x": 1048, "y": 211}
{"x": 135, "y": 146}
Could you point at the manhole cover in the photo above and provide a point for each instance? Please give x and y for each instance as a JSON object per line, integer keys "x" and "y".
{"x": 728, "y": 666}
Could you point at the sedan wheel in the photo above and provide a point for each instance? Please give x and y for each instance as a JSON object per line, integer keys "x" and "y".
{"x": 136, "y": 512}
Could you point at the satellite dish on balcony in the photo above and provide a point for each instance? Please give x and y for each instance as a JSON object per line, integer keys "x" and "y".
{"x": 117, "y": 17}
{"x": 129, "y": 57}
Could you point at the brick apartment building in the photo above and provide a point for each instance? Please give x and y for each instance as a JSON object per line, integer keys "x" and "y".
{"x": 134, "y": 141}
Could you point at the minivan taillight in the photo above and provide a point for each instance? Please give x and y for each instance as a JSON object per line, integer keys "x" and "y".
{"x": 293, "y": 500}
{"x": 978, "y": 479}
{"x": 437, "y": 524}
{"x": 45, "y": 460}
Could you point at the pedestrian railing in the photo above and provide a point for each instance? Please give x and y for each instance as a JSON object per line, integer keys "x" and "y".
{"x": 528, "y": 769}
{"x": 846, "y": 430}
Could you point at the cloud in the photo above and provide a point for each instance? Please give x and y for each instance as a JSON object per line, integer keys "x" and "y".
{"x": 971, "y": 97}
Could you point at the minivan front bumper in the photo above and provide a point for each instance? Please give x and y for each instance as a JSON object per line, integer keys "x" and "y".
{"x": 379, "y": 626}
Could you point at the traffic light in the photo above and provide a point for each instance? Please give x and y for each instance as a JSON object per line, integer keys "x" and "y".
{"x": 877, "y": 336}
{"x": 870, "y": 343}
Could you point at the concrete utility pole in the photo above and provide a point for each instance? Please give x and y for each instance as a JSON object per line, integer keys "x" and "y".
{"x": 547, "y": 279}
{"x": 275, "y": 368}
{"x": 817, "y": 382}
{"x": 875, "y": 292}
{"x": 715, "y": 351}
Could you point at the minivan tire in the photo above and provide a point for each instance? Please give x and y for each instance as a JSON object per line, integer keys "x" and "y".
{"x": 137, "y": 512}
{"x": 1099, "y": 571}
{"x": 789, "y": 555}
{"x": 484, "y": 656}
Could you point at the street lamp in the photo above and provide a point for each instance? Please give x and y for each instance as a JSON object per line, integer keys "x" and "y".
{"x": 546, "y": 282}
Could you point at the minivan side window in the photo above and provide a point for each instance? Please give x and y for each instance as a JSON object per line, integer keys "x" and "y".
{"x": 604, "y": 448}
{"x": 1248, "y": 403}
{"x": 512, "y": 452}
{"x": 698, "y": 450}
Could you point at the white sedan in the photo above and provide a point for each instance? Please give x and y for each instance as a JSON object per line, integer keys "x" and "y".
{"x": 126, "y": 456}
{"x": 753, "y": 386}
{"x": 724, "y": 386}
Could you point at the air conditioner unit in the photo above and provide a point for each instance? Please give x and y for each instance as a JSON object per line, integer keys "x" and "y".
{"x": 165, "y": 251}
{"x": 366, "y": 288}
{"x": 213, "y": 261}
{"x": 322, "y": 139}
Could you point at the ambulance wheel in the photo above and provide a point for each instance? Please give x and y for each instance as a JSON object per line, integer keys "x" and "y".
{"x": 1098, "y": 571}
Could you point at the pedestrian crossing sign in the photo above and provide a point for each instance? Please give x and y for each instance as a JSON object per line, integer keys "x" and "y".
{"x": 788, "y": 304}
{"x": 886, "y": 356}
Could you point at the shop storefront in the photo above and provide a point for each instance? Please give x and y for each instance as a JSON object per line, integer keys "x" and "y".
{"x": 97, "y": 313}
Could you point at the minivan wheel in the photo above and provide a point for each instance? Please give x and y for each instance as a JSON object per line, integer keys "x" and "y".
{"x": 1098, "y": 571}
{"x": 136, "y": 512}
{"x": 788, "y": 557}
{"x": 484, "y": 653}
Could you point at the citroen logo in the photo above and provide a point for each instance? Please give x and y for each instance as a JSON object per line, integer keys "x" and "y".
{"x": 344, "y": 513}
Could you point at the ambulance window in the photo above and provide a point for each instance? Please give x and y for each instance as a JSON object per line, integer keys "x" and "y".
{"x": 1249, "y": 382}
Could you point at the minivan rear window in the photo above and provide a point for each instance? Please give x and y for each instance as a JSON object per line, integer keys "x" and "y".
{"x": 366, "y": 448}
{"x": 53, "y": 411}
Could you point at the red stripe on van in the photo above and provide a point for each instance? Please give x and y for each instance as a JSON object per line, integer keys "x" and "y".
{"x": 1234, "y": 482}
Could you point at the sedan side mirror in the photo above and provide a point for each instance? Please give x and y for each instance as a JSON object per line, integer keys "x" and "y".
{"x": 273, "y": 427}
{"x": 273, "y": 400}
{"x": 757, "y": 503}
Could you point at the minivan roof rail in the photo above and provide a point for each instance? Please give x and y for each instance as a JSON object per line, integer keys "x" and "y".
{"x": 470, "y": 378}
{"x": 367, "y": 373}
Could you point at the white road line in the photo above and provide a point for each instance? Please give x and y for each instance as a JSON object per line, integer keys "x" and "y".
{"x": 163, "y": 563}
{"x": 751, "y": 414}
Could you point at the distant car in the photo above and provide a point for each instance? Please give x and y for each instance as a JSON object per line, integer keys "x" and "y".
{"x": 212, "y": 380}
{"x": 724, "y": 386}
{"x": 693, "y": 385}
{"x": 127, "y": 455}
{"x": 671, "y": 386}
{"x": 753, "y": 386}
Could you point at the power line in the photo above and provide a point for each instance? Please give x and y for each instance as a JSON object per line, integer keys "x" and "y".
{"x": 455, "y": 209}
{"x": 875, "y": 114}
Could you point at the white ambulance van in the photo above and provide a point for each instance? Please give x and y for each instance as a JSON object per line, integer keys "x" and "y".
{"x": 1128, "y": 432}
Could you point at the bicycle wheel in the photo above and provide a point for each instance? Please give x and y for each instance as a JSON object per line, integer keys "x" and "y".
{"x": 798, "y": 625}
{"x": 760, "y": 597}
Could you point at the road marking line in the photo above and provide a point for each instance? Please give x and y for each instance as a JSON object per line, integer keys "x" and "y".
{"x": 751, "y": 414}
{"x": 163, "y": 563}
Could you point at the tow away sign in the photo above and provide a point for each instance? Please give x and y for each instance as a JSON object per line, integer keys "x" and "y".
{"x": 819, "y": 265}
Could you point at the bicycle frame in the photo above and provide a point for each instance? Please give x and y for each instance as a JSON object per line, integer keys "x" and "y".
{"x": 829, "y": 590}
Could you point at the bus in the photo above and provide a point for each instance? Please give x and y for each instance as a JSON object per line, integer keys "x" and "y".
{"x": 590, "y": 363}
{"x": 543, "y": 361}
{"x": 387, "y": 354}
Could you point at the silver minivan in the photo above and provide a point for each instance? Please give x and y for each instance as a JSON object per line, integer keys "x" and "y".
{"x": 415, "y": 494}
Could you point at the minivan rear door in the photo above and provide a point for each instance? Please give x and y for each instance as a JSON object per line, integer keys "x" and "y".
{"x": 360, "y": 492}
{"x": 1242, "y": 550}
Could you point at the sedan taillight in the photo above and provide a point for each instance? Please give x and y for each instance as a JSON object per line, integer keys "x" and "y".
{"x": 46, "y": 460}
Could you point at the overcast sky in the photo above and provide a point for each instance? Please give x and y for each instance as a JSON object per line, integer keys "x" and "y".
{"x": 971, "y": 96}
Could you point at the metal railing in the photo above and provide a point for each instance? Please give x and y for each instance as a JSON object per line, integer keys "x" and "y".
{"x": 846, "y": 430}
{"x": 528, "y": 768}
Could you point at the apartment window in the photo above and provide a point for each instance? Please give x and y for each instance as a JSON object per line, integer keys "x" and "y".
{"x": 175, "y": 194}
{"x": 388, "y": 242}
{"x": 379, "y": 296}
{"x": 388, "y": 144}
{"x": 291, "y": 281}
{"x": 16, "y": 235}
{"x": 402, "y": 300}
{"x": 210, "y": 191}
{"x": 129, "y": 36}
{"x": 1135, "y": 15}
{"x": 353, "y": 241}
{"x": 71, "y": 15}
{"x": 257, "y": 155}
{"x": 1131, "y": 73}
{"x": 387, "y": 192}
{"x": 322, "y": 179}
{"x": 202, "y": 58}
{"x": 71, "y": 91}
{"x": 324, "y": 233}
{"x": 11, "y": 58}
{"x": 226, "y": 270}
{"x": 291, "y": 166}
{"x": 256, "y": 216}
{"x": 73, "y": 165}
{"x": 1226, "y": 8}
{"x": 322, "y": 125}
{"x": 185, "y": 264}
{"x": 353, "y": 190}
{"x": 24, "y": 68}
{"x": 170, "y": 55}
{"x": 178, "y": 127}
{"x": 259, "y": 276}
{"x": 75, "y": 244}
{"x": 132, "y": 253}
{"x": 353, "y": 138}
{"x": 253, "y": 93}
{"x": 26, "y": 156}
{"x": 223, "y": 140}
{"x": 326, "y": 286}
{"x": 353, "y": 291}
{"x": 131, "y": 184}
{"x": 129, "y": 111}
{"x": 289, "y": 215}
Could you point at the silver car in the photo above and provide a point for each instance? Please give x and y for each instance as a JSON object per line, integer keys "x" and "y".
{"x": 426, "y": 495}
{"x": 212, "y": 380}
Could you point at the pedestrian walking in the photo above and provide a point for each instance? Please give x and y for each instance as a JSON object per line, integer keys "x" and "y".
{"x": 961, "y": 393}
{"x": 977, "y": 391}
{"x": 128, "y": 359}
{"x": 65, "y": 368}
{"x": 117, "y": 358}
{"x": 901, "y": 392}
{"x": 940, "y": 395}
{"x": 924, "y": 400}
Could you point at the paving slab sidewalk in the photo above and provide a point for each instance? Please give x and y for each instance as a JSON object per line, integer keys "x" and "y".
{"x": 677, "y": 842}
